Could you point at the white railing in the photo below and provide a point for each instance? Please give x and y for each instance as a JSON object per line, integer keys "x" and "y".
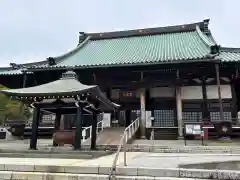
{"x": 87, "y": 131}
{"x": 128, "y": 133}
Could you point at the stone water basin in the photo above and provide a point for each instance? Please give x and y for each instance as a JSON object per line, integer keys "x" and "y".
{"x": 221, "y": 165}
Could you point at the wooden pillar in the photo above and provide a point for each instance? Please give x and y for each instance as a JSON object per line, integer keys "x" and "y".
{"x": 35, "y": 124}
{"x": 78, "y": 133}
{"x": 179, "y": 106}
{"x": 143, "y": 114}
{"x": 94, "y": 130}
{"x": 205, "y": 112}
{"x": 234, "y": 110}
{"x": 219, "y": 92}
{"x": 179, "y": 111}
{"x": 24, "y": 80}
{"x": 57, "y": 123}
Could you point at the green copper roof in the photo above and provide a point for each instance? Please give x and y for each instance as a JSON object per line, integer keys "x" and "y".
{"x": 148, "y": 46}
{"x": 229, "y": 55}
{"x": 10, "y": 72}
{"x": 18, "y": 69}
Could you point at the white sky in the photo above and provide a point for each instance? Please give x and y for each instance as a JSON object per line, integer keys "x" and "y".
{"x": 32, "y": 30}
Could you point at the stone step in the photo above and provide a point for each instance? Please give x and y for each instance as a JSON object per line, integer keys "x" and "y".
{"x": 42, "y": 170}
{"x": 10, "y": 175}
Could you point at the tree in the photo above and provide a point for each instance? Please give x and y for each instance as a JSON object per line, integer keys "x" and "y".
{"x": 12, "y": 109}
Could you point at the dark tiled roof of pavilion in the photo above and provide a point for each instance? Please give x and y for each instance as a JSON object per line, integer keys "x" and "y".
{"x": 66, "y": 87}
{"x": 182, "y": 43}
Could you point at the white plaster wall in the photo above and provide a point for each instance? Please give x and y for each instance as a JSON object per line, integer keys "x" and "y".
{"x": 212, "y": 92}
{"x": 162, "y": 92}
{"x": 191, "y": 92}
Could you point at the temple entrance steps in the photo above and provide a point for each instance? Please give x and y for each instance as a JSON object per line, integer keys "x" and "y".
{"x": 113, "y": 137}
{"x": 163, "y": 133}
{"x": 108, "y": 137}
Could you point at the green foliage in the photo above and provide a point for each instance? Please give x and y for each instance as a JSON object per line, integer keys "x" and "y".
{"x": 12, "y": 109}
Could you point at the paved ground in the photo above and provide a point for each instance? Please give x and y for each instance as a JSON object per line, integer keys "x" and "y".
{"x": 46, "y": 143}
{"x": 134, "y": 159}
{"x": 159, "y": 160}
{"x": 180, "y": 143}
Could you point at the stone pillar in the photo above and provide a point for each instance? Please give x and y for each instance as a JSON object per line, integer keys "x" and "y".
{"x": 143, "y": 114}
{"x": 35, "y": 124}
{"x": 179, "y": 111}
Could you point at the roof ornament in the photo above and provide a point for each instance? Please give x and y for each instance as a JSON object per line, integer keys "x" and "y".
{"x": 205, "y": 26}
{"x": 15, "y": 66}
{"x": 215, "y": 49}
{"x": 82, "y": 37}
{"x": 69, "y": 75}
{"x": 51, "y": 61}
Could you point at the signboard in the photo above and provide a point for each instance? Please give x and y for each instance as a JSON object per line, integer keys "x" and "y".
{"x": 106, "y": 120}
{"x": 127, "y": 94}
{"x": 193, "y": 129}
{"x": 148, "y": 119}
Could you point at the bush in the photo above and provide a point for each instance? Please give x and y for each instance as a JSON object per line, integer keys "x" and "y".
{"x": 12, "y": 109}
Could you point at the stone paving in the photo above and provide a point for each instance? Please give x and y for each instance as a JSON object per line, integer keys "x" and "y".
{"x": 141, "y": 164}
{"x": 134, "y": 159}
{"x": 46, "y": 143}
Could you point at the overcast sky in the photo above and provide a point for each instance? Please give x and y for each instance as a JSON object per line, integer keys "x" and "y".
{"x": 31, "y": 30}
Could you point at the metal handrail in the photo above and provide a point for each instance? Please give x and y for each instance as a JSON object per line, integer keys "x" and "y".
{"x": 127, "y": 135}
{"x": 84, "y": 131}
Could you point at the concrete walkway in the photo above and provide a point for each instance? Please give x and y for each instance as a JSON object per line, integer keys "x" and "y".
{"x": 134, "y": 159}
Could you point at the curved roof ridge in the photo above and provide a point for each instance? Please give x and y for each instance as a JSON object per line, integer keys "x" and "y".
{"x": 204, "y": 37}
{"x": 79, "y": 46}
{"x": 149, "y": 31}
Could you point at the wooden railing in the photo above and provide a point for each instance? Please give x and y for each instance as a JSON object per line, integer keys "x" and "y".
{"x": 87, "y": 131}
{"x": 128, "y": 133}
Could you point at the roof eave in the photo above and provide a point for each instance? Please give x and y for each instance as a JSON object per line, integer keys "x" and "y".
{"x": 204, "y": 59}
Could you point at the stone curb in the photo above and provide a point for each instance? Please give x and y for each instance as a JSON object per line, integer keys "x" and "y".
{"x": 126, "y": 171}
{"x": 46, "y": 176}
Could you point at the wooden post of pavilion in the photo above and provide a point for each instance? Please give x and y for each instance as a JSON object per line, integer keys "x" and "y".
{"x": 219, "y": 92}
{"x": 35, "y": 124}
{"x": 94, "y": 130}
{"x": 78, "y": 133}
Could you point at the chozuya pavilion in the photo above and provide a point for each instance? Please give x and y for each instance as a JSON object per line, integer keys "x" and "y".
{"x": 175, "y": 74}
{"x": 63, "y": 96}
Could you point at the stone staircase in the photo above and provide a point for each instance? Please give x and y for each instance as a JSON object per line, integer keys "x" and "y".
{"x": 166, "y": 133}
